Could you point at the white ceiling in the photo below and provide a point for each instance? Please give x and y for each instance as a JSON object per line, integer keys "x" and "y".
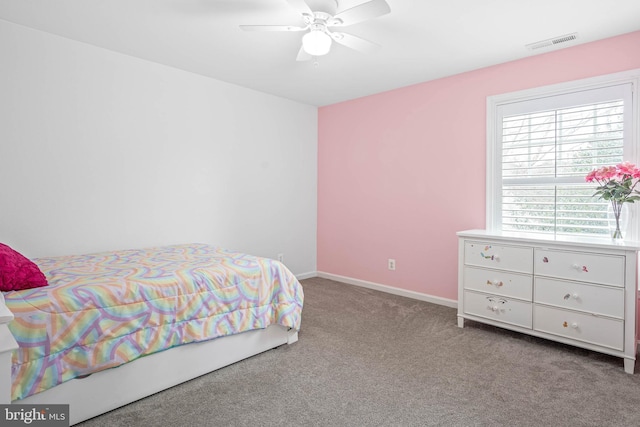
{"x": 421, "y": 39}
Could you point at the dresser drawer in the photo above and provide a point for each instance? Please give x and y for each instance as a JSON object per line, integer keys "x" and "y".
{"x": 498, "y": 282}
{"x": 601, "y": 300}
{"x": 583, "y": 327}
{"x": 498, "y": 308}
{"x": 513, "y": 258}
{"x": 581, "y": 266}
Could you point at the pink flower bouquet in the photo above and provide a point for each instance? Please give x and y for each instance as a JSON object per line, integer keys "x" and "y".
{"x": 617, "y": 185}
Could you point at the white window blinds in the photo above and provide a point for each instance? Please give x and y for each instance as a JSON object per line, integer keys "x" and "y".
{"x": 546, "y": 147}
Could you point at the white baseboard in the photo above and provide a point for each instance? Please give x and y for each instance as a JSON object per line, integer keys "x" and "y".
{"x": 309, "y": 275}
{"x": 390, "y": 289}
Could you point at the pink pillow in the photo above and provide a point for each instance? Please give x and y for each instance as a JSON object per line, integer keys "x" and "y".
{"x": 18, "y": 272}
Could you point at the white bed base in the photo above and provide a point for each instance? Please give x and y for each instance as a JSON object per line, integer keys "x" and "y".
{"x": 112, "y": 388}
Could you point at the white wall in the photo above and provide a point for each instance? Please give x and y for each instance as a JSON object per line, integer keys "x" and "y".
{"x": 100, "y": 151}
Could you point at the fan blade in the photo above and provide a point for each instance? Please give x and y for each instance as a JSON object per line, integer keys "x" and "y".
{"x": 303, "y": 55}
{"x": 362, "y": 12}
{"x": 355, "y": 43}
{"x": 301, "y": 6}
{"x": 272, "y": 28}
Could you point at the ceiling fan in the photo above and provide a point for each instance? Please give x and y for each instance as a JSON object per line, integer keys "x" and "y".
{"x": 320, "y": 18}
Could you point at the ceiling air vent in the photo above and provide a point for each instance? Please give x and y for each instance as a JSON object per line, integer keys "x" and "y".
{"x": 552, "y": 42}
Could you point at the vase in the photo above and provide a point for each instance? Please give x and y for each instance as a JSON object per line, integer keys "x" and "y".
{"x": 618, "y": 224}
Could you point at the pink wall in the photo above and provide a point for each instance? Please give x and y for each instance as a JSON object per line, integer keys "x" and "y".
{"x": 384, "y": 190}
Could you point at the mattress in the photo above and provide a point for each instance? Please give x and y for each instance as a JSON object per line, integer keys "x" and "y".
{"x": 106, "y": 309}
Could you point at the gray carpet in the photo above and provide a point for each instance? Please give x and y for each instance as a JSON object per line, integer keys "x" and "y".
{"x": 367, "y": 358}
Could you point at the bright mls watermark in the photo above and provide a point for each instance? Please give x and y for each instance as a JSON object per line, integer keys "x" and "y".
{"x": 34, "y": 415}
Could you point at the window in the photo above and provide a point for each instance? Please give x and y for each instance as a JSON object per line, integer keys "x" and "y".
{"x": 541, "y": 145}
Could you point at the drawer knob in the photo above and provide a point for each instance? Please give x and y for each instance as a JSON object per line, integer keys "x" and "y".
{"x": 495, "y": 304}
{"x": 496, "y": 283}
{"x": 495, "y": 308}
{"x": 573, "y": 325}
{"x": 573, "y": 295}
{"x": 582, "y": 268}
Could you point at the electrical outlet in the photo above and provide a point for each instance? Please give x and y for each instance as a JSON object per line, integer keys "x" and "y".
{"x": 281, "y": 257}
{"x": 392, "y": 264}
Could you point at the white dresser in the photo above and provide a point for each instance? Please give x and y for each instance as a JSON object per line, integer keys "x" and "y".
{"x": 579, "y": 292}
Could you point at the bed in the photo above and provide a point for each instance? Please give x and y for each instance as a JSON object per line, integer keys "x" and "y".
{"x": 109, "y": 328}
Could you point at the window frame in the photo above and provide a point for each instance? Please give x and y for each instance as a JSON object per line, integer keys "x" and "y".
{"x": 494, "y": 132}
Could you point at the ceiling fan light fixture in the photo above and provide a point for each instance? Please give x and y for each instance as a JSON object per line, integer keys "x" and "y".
{"x": 316, "y": 43}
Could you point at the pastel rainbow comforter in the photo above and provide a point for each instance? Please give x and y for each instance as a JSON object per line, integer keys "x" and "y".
{"x": 103, "y": 310}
